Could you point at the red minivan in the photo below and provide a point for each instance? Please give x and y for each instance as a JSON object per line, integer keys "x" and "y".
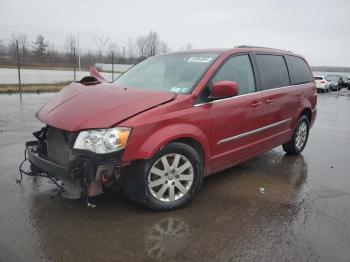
{"x": 171, "y": 120}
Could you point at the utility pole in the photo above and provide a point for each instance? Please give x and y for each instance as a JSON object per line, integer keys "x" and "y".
{"x": 112, "y": 66}
{"x": 19, "y": 70}
{"x": 75, "y": 77}
{"x": 79, "y": 53}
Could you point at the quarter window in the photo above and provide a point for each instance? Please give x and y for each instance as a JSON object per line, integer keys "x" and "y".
{"x": 273, "y": 71}
{"x": 299, "y": 71}
{"x": 239, "y": 70}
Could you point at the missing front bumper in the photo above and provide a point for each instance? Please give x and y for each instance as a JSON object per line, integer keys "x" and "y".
{"x": 85, "y": 174}
{"x": 56, "y": 170}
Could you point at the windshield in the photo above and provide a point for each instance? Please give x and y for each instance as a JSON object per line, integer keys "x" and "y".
{"x": 318, "y": 77}
{"x": 177, "y": 72}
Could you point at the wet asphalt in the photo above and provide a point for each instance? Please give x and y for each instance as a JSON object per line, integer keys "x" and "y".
{"x": 271, "y": 208}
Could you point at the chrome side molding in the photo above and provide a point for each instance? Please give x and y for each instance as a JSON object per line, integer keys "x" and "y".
{"x": 232, "y": 138}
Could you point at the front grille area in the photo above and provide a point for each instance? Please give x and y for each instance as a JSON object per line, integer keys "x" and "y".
{"x": 58, "y": 145}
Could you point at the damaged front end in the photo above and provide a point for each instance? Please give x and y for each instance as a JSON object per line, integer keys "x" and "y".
{"x": 81, "y": 172}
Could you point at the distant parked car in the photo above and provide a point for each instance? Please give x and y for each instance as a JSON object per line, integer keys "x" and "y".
{"x": 344, "y": 82}
{"x": 334, "y": 82}
{"x": 322, "y": 84}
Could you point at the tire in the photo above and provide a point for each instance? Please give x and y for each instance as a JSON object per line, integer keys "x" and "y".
{"x": 167, "y": 181}
{"x": 295, "y": 146}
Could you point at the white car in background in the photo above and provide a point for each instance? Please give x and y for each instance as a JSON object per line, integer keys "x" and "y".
{"x": 321, "y": 83}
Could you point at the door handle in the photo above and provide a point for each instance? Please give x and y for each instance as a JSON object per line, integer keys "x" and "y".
{"x": 269, "y": 100}
{"x": 256, "y": 103}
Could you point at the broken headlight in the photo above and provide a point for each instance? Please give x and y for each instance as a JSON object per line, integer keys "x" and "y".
{"x": 103, "y": 141}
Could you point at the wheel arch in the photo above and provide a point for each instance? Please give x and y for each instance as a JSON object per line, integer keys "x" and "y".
{"x": 308, "y": 112}
{"x": 192, "y": 143}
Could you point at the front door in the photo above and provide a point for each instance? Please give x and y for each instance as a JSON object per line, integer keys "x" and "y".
{"x": 235, "y": 121}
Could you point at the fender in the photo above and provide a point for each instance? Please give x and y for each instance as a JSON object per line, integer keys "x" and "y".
{"x": 145, "y": 149}
{"x": 304, "y": 105}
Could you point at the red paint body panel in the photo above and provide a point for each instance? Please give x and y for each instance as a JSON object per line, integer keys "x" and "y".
{"x": 97, "y": 75}
{"x": 79, "y": 107}
{"x": 158, "y": 118}
{"x": 230, "y": 118}
{"x": 157, "y": 127}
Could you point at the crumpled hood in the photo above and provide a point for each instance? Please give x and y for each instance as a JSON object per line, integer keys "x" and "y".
{"x": 86, "y": 107}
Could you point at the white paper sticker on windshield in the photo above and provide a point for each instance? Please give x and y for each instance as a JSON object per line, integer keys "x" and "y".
{"x": 175, "y": 89}
{"x": 199, "y": 59}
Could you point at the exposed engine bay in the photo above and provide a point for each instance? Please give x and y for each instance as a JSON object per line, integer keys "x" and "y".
{"x": 78, "y": 173}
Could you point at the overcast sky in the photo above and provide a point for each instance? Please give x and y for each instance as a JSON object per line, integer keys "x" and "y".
{"x": 319, "y": 30}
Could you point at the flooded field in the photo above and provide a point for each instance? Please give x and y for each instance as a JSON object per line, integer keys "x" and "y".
{"x": 272, "y": 208}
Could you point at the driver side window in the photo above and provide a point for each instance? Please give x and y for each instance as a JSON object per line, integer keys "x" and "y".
{"x": 237, "y": 69}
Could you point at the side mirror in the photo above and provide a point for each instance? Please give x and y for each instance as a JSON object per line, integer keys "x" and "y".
{"x": 223, "y": 89}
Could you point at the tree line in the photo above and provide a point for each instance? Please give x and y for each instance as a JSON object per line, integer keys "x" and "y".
{"x": 331, "y": 69}
{"x": 41, "y": 52}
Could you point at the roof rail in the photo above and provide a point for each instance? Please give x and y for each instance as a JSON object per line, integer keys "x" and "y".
{"x": 251, "y": 46}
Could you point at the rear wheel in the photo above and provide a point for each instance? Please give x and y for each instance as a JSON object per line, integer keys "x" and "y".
{"x": 171, "y": 178}
{"x": 300, "y": 136}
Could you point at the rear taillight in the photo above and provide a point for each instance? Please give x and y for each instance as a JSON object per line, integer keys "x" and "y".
{"x": 322, "y": 82}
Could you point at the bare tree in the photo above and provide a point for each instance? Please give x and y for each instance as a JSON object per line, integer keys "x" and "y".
{"x": 51, "y": 53}
{"x": 112, "y": 47}
{"x": 12, "y": 46}
{"x": 164, "y": 47}
{"x": 123, "y": 51}
{"x": 131, "y": 49}
{"x": 51, "y": 50}
{"x": 23, "y": 42}
{"x": 141, "y": 47}
{"x": 3, "y": 49}
{"x": 189, "y": 46}
{"x": 70, "y": 44}
{"x": 89, "y": 58}
{"x": 101, "y": 42}
{"x": 153, "y": 43}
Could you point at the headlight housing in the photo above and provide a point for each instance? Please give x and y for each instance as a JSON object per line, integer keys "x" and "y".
{"x": 102, "y": 141}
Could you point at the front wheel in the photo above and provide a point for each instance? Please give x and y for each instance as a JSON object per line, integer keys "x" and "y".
{"x": 299, "y": 138}
{"x": 171, "y": 178}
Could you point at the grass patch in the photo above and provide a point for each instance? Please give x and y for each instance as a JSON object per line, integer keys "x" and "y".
{"x": 32, "y": 88}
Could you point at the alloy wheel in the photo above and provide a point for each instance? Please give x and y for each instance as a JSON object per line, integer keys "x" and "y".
{"x": 170, "y": 177}
{"x": 301, "y": 135}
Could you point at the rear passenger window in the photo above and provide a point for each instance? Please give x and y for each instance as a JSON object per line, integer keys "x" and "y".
{"x": 238, "y": 69}
{"x": 273, "y": 71}
{"x": 299, "y": 71}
